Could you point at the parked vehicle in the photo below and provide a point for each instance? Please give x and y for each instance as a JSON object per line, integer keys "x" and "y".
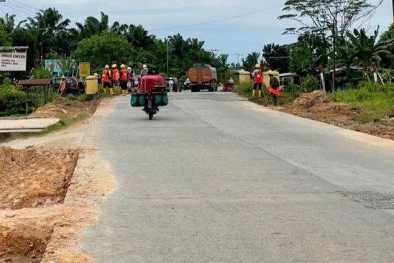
{"x": 176, "y": 87}
{"x": 72, "y": 85}
{"x": 202, "y": 77}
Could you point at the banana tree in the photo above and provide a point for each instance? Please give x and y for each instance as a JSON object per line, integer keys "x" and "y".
{"x": 367, "y": 49}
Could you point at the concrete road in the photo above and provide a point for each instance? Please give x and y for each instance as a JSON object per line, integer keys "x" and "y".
{"x": 215, "y": 178}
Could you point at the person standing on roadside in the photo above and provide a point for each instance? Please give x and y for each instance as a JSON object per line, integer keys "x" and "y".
{"x": 114, "y": 75}
{"x": 273, "y": 87}
{"x": 257, "y": 76}
{"x": 123, "y": 79}
{"x": 171, "y": 84}
{"x": 106, "y": 80}
{"x": 62, "y": 85}
{"x": 231, "y": 82}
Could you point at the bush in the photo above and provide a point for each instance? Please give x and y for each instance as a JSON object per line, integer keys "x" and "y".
{"x": 309, "y": 84}
{"x": 12, "y": 101}
{"x": 376, "y": 99}
{"x": 244, "y": 88}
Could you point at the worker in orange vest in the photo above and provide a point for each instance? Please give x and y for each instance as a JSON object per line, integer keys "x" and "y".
{"x": 106, "y": 80}
{"x": 273, "y": 87}
{"x": 62, "y": 85}
{"x": 123, "y": 79}
{"x": 257, "y": 79}
{"x": 114, "y": 75}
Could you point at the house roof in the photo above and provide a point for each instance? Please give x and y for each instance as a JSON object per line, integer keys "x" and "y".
{"x": 34, "y": 82}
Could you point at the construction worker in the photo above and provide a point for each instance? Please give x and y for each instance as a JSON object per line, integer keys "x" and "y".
{"x": 257, "y": 76}
{"x": 62, "y": 85}
{"x": 114, "y": 75}
{"x": 273, "y": 87}
{"x": 123, "y": 79}
{"x": 106, "y": 80}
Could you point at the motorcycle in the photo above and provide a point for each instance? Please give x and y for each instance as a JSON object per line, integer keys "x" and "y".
{"x": 151, "y": 94}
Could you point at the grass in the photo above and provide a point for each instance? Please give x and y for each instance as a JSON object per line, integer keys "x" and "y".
{"x": 61, "y": 124}
{"x": 375, "y": 101}
{"x": 245, "y": 89}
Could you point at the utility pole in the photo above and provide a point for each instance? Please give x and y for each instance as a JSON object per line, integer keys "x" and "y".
{"x": 167, "y": 54}
{"x": 238, "y": 55}
{"x": 392, "y": 25}
{"x": 334, "y": 33}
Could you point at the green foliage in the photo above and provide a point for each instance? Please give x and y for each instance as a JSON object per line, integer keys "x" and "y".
{"x": 61, "y": 124}
{"x": 301, "y": 59}
{"x": 244, "y": 89}
{"x": 376, "y": 99}
{"x": 40, "y": 72}
{"x": 12, "y": 101}
{"x": 40, "y": 95}
{"x": 106, "y": 48}
{"x": 320, "y": 15}
{"x": 309, "y": 84}
{"x": 277, "y": 57}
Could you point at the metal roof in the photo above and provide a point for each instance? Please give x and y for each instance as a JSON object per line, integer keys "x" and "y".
{"x": 34, "y": 82}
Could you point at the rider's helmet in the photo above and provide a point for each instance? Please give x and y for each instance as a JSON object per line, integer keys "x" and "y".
{"x": 106, "y": 66}
{"x": 257, "y": 66}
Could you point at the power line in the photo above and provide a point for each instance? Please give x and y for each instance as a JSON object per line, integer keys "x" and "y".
{"x": 21, "y": 7}
{"x": 217, "y": 20}
{"x": 23, "y": 4}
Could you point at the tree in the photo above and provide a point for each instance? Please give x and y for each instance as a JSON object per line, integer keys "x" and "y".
{"x": 50, "y": 30}
{"x": 251, "y": 60}
{"x": 5, "y": 38}
{"x": 9, "y": 23}
{"x": 320, "y": 16}
{"x": 367, "y": 49}
{"x": 91, "y": 27}
{"x": 103, "y": 49}
{"x": 277, "y": 57}
{"x": 301, "y": 59}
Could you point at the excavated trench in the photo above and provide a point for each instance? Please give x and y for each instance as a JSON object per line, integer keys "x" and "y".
{"x": 31, "y": 180}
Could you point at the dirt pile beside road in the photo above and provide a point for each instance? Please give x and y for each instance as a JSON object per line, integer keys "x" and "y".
{"x": 31, "y": 178}
{"x": 317, "y": 106}
{"x": 63, "y": 107}
{"x": 50, "y": 187}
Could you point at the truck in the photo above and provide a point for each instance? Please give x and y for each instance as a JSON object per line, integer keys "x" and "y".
{"x": 202, "y": 77}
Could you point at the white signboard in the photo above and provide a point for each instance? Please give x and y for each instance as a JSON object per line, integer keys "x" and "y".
{"x": 13, "y": 61}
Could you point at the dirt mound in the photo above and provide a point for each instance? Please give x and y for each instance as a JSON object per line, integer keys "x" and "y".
{"x": 308, "y": 100}
{"x": 25, "y": 241}
{"x": 34, "y": 177}
{"x": 63, "y": 107}
{"x": 316, "y": 105}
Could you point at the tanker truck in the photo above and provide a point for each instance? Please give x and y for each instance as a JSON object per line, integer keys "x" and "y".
{"x": 202, "y": 77}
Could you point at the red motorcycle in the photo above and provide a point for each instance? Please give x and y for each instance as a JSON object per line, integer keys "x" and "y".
{"x": 151, "y": 94}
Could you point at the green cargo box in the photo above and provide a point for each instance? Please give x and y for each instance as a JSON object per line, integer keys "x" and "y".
{"x": 138, "y": 100}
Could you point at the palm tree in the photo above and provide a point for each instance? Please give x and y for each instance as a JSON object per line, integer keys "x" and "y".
{"x": 367, "y": 49}
{"x": 138, "y": 37}
{"x": 91, "y": 27}
{"x": 50, "y": 30}
{"x": 9, "y": 23}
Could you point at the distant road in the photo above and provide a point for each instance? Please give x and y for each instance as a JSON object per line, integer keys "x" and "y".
{"x": 215, "y": 178}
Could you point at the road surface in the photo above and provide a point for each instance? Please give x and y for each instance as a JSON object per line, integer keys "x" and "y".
{"x": 215, "y": 178}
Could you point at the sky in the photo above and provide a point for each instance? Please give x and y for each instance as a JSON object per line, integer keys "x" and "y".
{"x": 233, "y": 27}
